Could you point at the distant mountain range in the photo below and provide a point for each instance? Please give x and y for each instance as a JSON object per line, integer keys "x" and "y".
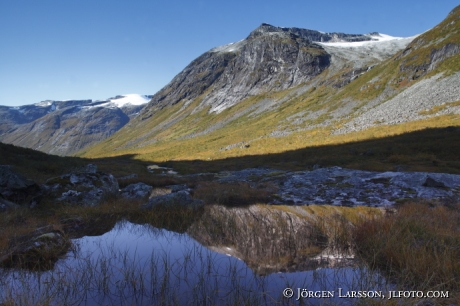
{"x": 65, "y": 127}
{"x": 277, "y": 89}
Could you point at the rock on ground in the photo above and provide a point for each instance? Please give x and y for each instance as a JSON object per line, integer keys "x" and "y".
{"x": 136, "y": 191}
{"x": 176, "y": 199}
{"x": 83, "y": 188}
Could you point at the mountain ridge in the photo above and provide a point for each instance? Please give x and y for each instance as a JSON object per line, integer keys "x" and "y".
{"x": 278, "y": 89}
{"x": 65, "y": 127}
{"x": 357, "y": 79}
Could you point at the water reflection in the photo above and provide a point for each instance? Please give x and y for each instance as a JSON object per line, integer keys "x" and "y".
{"x": 144, "y": 265}
{"x": 272, "y": 240}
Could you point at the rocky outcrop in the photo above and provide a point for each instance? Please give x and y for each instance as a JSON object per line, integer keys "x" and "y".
{"x": 87, "y": 188}
{"x": 346, "y": 187}
{"x": 16, "y": 189}
{"x": 316, "y": 36}
{"x": 415, "y": 71}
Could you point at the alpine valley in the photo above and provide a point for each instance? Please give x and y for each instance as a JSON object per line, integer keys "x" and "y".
{"x": 65, "y": 127}
{"x": 290, "y": 159}
{"x": 278, "y": 89}
{"x": 284, "y": 89}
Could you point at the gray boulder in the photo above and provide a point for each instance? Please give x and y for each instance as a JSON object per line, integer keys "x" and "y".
{"x": 83, "y": 188}
{"x": 431, "y": 182}
{"x": 136, "y": 191}
{"x": 175, "y": 188}
{"x": 16, "y": 188}
{"x": 177, "y": 199}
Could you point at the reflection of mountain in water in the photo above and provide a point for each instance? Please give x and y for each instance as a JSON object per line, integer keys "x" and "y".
{"x": 268, "y": 239}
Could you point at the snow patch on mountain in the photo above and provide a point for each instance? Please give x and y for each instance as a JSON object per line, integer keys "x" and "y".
{"x": 131, "y": 99}
{"x": 375, "y": 39}
{"x": 231, "y": 47}
{"x": 44, "y": 103}
{"x": 121, "y": 101}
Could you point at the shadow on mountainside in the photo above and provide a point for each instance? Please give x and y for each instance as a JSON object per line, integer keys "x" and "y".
{"x": 430, "y": 150}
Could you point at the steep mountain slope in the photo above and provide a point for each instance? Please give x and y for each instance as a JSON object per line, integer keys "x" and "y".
{"x": 311, "y": 92}
{"x": 65, "y": 127}
{"x": 269, "y": 59}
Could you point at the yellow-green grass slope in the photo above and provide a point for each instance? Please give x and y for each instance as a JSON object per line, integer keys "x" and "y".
{"x": 265, "y": 124}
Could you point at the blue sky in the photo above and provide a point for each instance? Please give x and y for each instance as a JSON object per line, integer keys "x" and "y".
{"x": 67, "y": 49}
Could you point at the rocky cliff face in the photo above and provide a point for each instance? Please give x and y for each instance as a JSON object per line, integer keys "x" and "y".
{"x": 269, "y": 59}
{"x": 65, "y": 127}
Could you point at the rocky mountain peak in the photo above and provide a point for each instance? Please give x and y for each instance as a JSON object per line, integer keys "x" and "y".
{"x": 310, "y": 35}
{"x": 268, "y": 29}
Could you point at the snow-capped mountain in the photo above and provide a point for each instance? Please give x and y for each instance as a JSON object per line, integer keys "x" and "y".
{"x": 65, "y": 127}
{"x": 285, "y": 82}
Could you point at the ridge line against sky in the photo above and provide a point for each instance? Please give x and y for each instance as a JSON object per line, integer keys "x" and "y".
{"x": 58, "y": 50}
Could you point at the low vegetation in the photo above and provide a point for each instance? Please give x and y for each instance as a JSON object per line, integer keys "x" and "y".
{"x": 233, "y": 193}
{"x": 417, "y": 247}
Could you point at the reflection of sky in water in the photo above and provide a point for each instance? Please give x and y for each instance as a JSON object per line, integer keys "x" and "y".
{"x": 128, "y": 266}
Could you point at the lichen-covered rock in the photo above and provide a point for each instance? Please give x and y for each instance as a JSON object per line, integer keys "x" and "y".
{"x": 38, "y": 250}
{"x": 177, "y": 199}
{"x": 15, "y": 188}
{"x": 136, "y": 191}
{"x": 82, "y": 188}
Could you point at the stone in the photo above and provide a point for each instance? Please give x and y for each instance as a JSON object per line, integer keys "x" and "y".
{"x": 136, "y": 191}
{"x": 16, "y": 188}
{"x": 175, "y": 188}
{"x": 86, "y": 189}
{"x": 38, "y": 250}
{"x": 338, "y": 186}
{"x": 431, "y": 182}
{"x": 177, "y": 199}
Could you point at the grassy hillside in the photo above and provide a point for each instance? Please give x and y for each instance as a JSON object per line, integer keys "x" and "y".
{"x": 300, "y": 117}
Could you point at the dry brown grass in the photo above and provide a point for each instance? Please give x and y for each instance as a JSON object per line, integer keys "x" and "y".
{"x": 233, "y": 193}
{"x": 418, "y": 247}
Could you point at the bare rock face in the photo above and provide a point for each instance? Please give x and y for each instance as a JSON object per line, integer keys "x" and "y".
{"x": 269, "y": 59}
